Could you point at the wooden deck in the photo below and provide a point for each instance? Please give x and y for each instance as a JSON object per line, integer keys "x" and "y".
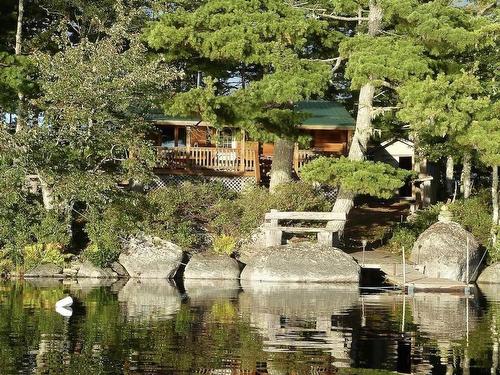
{"x": 213, "y": 161}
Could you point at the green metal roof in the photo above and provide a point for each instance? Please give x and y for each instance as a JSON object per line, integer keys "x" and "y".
{"x": 323, "y": 115}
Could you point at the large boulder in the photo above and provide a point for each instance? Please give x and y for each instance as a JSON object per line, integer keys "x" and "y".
{"x": 490, "y": 275}
{"x": 301, "y": 262}
{"x": 119, "y": 269}
{"x": 87, "y": 269}
{"x": 45, "y": 270}
{"x": 441, "y": 252}
{"x": 212, "y": 266}
{"x": 150, "y": 257}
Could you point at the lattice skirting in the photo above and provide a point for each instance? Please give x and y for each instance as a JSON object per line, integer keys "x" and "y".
{"x": 329, "y": 192}
{"x": 236, "y": 183}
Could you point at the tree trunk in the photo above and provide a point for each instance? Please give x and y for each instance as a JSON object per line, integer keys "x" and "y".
{"x": 495, "y": 203}
{"x": 345, "y": 200}
{"x": 449, "y": 176}
{"x": 19, "y": 31}
{"x": 281, "y": 169}
{"x": 466, "y": 174}
{"x": 21, "y": 116}
{"x": 47, "y": 194}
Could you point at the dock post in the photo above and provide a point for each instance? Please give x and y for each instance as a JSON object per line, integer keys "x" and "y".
{"x": 404, "y": 270}
{"x": 364, "y": 242}
{"x": 467, "y": 260}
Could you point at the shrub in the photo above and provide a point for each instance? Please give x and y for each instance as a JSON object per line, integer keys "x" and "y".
{"x": 192, "y": 215}
{"x": 402, "y": 237}
{"x": 37, "y": 254}
{"x": 6, "y": 264}
{"x": 182, "y": 213}
{"x": 107, "y": 226}
{"x": 474, "y": 214}
{"x": 100, "y": 256}
{"x": 223, "y": 244}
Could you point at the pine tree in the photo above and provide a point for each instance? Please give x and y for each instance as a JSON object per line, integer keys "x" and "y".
{"x": 394, "y": 41}
{"x": 257, "y": 59}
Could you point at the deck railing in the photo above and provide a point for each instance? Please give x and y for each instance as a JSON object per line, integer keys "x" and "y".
{"x": 215, "y": 158}
{"x": 302, "y": 157}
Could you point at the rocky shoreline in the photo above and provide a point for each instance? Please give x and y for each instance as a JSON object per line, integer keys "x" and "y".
{"x": 146, "y": 257}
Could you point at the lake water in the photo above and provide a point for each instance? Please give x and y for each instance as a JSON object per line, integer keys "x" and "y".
{"x": 203, "y": 327}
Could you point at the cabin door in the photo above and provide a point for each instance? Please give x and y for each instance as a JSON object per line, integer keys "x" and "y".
{"x": 406, "y": 162}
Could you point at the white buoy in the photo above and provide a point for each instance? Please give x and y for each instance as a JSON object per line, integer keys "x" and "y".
{"x": 64, "y": 311}
{"x": 65, "y": 302}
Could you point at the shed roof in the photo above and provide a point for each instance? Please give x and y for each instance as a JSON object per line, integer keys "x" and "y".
{"x": 323, "y": 115}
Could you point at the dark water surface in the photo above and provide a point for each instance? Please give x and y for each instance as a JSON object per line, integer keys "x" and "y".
{"x": 153, "y": 327}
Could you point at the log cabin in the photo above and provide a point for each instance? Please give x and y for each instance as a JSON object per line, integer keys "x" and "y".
{"x": 188, "y": 147}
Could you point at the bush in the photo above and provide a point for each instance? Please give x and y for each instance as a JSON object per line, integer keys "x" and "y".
{"x": 474, "y": 214}
{"x": 402, "y": 238}
{"x": 37, "y": 254}
{"x": 223, "y": 244}
{"x": 202, "y": 215}
{"x": 183, "y": 213}
{"x": 107, "y": 226}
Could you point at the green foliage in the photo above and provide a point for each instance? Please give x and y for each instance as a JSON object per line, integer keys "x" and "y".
{"x": 181, "y": 213}
{"x": 106, "y": 227}
{"x": 24, "y": 221}
{"x": 265, "y": 43}
{"x": 192, "y": 215}
{"x": 358, "y": 177}
{"x": 474, "y": 214}
{"x": 34, "y": 255}
{"x": 375, "y": 60}
{"x": 223, "y": 244}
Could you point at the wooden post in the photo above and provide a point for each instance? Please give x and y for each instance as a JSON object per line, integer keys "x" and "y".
{"x": 467, "y": 260}
{"x": 273, "y": 235}
{"x": 188, "y": 139}
{"x": 404, "y": 271}
{"x": 243, "y": 151}
{"x": 325, "y": 238}
{"x": 296, "y": 158}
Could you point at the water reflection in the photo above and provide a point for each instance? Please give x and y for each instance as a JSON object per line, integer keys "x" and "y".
{"x": 154, "y": 327}
{"x": 149, "y": 299}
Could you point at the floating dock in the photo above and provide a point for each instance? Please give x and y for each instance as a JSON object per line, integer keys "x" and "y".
{"x": 392, "y": 266}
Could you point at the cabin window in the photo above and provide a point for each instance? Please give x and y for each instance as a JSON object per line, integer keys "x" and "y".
{"x": 173, "y": 136}
{"x": 225, "y": 139}
{"x": 167, "y": 136}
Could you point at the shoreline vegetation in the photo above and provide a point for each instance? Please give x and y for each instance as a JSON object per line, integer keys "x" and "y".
{"x": 80, "y": 81}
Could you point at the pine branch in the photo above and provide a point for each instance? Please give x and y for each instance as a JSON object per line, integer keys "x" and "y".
{"x": 388, "y": 84}
{"x": 322, "y": 13}
{"x": 336, "y": 60}
{"x": 377, "y": 111}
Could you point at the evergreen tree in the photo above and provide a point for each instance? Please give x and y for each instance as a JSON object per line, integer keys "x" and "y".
{"x": 257, "y": 58}
{"x": 394, "y": 41}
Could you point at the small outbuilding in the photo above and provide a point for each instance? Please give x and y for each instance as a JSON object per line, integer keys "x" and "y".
{"x": 400, "y": 153}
